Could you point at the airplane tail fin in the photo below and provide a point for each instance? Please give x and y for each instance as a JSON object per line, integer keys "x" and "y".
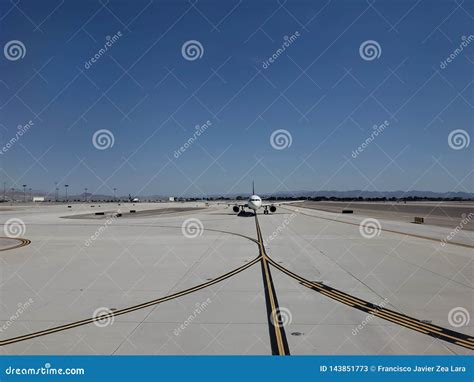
{"x": 253, "y": 187}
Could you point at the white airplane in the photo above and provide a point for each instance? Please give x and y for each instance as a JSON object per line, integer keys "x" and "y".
{"x": 255, "y": 203}
{"x": 133, "y": 200}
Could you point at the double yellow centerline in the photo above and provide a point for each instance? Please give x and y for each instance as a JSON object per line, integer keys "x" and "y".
{"x": 277, "y": 333}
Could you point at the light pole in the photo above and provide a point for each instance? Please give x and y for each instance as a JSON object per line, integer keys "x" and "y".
{"x": 31, "y": 194}
{"x": 66, "y": 186}
{"x": 56, "y": 191}
{"x": 24, "y": 193}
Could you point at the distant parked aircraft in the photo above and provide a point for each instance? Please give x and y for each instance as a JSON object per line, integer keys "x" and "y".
{"x": 132, "y": 200}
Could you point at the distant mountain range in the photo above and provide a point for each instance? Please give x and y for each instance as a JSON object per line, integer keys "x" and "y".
{"x": 375, "y": 194}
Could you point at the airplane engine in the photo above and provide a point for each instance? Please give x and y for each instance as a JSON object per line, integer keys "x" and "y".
{"x": 272, "y": 209}
{"x": 236, "y": 209}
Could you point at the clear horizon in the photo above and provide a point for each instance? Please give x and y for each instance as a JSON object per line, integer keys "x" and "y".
{"x": 296, "y": 193}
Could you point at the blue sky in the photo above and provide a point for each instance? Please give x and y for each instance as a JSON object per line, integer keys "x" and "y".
{"x": 319, "y": 89}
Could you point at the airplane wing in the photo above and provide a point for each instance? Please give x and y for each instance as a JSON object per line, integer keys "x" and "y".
{"x": 235, "y": 203}
{"x": 283, "y": 203}
{"x": 241, "y": 204}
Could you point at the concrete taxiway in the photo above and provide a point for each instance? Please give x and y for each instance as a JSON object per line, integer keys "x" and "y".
{"x": 443, "y": 214}
{"x": 186, "y": 278}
